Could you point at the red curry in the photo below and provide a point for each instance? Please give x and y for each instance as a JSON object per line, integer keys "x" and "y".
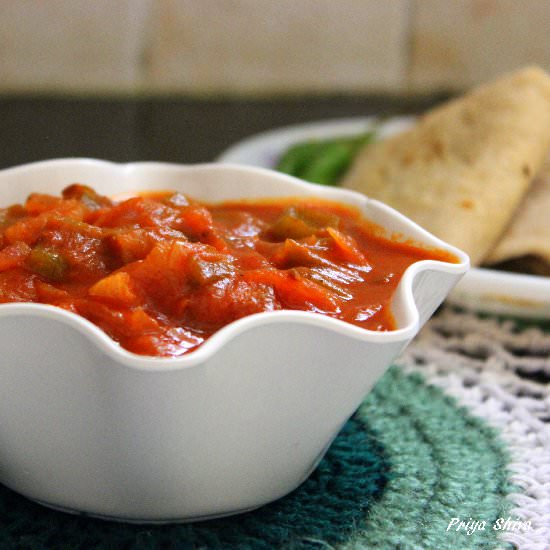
{"x": 160, "y": 273}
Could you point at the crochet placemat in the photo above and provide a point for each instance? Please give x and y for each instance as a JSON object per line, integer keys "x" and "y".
{"x": 450, "y": 450}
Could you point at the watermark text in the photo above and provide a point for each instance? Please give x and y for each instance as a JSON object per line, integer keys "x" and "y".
{"x": 470, "y": 525}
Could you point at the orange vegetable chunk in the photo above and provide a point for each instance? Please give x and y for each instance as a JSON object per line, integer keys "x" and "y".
{"x": 14, "y": 255}
{"x": 117, "y": 288}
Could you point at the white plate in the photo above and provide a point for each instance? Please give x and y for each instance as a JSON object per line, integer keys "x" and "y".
{"x": 481, "y": 289}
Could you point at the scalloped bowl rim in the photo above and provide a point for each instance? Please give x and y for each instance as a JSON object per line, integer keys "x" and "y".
{"x": 215, "y": 343}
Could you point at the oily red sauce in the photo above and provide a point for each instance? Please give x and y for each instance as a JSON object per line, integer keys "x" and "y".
{"x": 161, "y": 272}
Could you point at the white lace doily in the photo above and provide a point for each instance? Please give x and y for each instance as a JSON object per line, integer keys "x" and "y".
{"x": 500, "y": 370}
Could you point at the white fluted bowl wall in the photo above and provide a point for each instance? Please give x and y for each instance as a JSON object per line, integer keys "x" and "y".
{"x": 86, "y": 426}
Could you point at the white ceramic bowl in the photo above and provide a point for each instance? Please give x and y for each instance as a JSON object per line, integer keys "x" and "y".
{"x": 86, "y": 426}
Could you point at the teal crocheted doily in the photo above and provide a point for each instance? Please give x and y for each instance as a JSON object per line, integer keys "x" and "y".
{"x": 407, "y": 463}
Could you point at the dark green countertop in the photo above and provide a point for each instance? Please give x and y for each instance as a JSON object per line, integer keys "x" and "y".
{"x": 173, "y": 130}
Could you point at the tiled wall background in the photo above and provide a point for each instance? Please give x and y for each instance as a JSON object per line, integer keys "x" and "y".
{"x": 265, "y": 47}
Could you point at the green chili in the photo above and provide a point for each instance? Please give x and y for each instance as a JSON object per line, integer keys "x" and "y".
{"x": 323, "y": 161}
{"x": 48, "y": 263}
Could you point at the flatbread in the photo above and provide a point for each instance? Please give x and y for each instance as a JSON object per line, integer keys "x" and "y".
{"x": 527, "y": 238}
{"x": 463, "y": 168}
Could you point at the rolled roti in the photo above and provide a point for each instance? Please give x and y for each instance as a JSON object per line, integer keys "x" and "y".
{"x": 526, "y": 240}
{"x": 463, "y": 168}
